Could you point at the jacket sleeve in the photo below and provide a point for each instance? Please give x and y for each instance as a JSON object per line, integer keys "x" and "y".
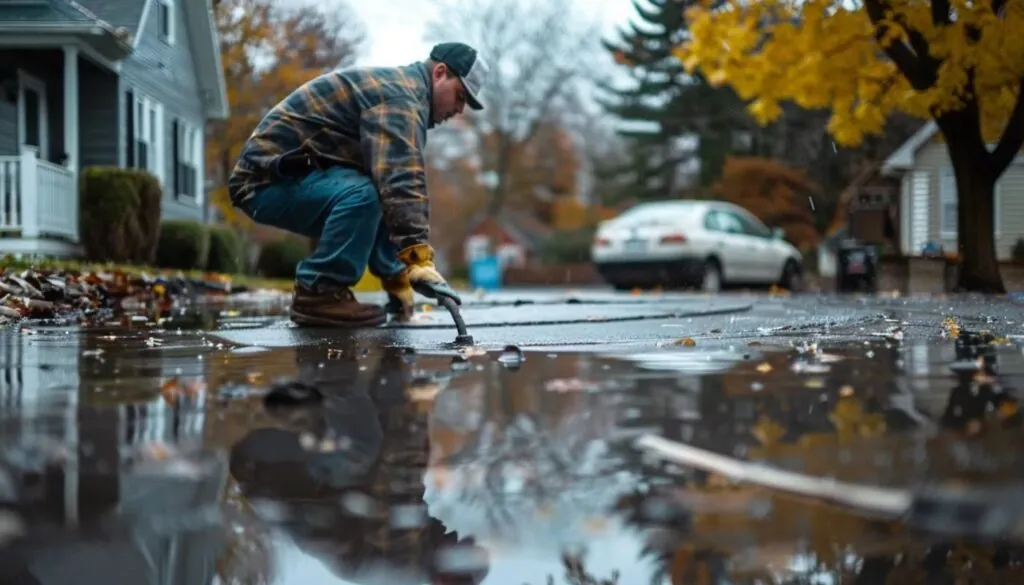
{"x": 393, "y": 135}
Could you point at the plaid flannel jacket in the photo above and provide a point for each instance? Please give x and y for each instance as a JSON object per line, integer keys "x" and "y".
{"x": 373, "y": 119}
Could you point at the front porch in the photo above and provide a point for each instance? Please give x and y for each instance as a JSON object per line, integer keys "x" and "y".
{"x": 38, "y": 206}
{"x": 45, "y": 141}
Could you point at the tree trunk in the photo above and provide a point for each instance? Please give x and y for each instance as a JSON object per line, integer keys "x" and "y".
{"x": 500, "y": 191}
{"x": 975, "y": 186}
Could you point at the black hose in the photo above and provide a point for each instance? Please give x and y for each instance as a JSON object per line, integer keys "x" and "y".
{"x": 463, "y": 337}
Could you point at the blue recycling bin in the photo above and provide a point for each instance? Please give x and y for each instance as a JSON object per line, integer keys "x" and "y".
{"x": 485, "y": 273}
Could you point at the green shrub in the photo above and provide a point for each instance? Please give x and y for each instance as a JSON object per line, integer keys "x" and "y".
{"x": 227, "y": 251}
{"x": 1018, "y": 251}
{"x": 279, "y": 259}
{"x": 119, "y": 215}
{"x": 567, "y": 247}
{"x": 183, "y": 244}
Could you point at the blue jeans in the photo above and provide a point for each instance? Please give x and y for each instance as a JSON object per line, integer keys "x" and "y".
{"x": 340, "y": 206}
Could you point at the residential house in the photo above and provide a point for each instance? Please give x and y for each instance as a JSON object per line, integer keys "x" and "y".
{"x": 928, "y": 196}
{"x": 129, "y": 83}
{"x": 515, "y": 236}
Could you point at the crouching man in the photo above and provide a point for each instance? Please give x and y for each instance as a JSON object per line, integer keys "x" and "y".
{"x": 341, "y": 159}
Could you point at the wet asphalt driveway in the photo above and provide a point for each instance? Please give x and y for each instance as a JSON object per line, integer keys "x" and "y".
{"x": 218, "y": 440}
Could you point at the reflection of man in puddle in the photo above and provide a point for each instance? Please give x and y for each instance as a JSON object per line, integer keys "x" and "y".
{"x": 349, "y": 491}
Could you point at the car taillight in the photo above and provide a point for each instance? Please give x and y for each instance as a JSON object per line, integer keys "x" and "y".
{"x": 673, "y": 239}
{"x": 602, "y": 242}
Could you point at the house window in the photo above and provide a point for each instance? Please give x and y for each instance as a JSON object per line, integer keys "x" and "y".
{"x": 186, "y": 159}
{"x": 165, "y": 20}
{"x": 32, "y": 114}
{"x": 948, "y": 205}
{"x": 147, "y": 136}
{"x": 141, "y": 144}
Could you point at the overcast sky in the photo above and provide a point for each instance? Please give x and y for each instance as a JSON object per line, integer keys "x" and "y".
{"x": 396, "y": 27}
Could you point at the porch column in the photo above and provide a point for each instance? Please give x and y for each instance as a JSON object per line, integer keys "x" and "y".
{"x": 71, "y": 108}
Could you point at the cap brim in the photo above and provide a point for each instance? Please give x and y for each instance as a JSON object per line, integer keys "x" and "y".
{"x": 471, "y": 99}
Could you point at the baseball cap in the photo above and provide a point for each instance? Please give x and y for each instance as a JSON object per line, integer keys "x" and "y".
{"x": 467, "y": 64}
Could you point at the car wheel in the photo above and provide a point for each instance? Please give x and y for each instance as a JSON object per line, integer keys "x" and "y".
{"x": 792, "y": 277}
{"x": 711, "y": 279}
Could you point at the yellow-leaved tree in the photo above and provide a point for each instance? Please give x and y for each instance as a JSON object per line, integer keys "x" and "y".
{"x": 957, "y": 62}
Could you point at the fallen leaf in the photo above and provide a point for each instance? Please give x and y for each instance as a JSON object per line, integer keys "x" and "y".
{"x": 472, "y": 351}
{"x": 422, "y": 392}
{"x": 563, "y": 385}
{"x": 170, "y": 390}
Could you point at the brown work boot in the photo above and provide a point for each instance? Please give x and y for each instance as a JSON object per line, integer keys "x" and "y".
{"x": 336, "y": 307}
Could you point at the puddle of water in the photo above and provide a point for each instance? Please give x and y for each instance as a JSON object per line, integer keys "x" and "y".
{"x": 154, "y": 450}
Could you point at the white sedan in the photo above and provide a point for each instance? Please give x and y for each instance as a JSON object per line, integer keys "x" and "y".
{"x": 693, "y": 243}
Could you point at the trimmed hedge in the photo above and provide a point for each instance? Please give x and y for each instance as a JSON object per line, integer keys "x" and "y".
{"x": 183, "y": 244}
{"x": 279, "y": 259}
{"x": 227, "y": 251}
{"x": 120, "y": 215}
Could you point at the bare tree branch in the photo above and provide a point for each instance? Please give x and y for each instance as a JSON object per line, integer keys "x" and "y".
{"x": 541, "y": 60}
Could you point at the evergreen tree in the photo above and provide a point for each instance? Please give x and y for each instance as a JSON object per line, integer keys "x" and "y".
{"x": 667, "y": 110}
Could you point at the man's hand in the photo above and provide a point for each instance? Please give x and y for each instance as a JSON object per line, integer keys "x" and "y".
{"x": 423, "y": 276}
{"x": 400, "y": 295}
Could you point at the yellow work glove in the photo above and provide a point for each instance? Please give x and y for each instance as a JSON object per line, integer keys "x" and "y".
{"x": 400, "y": 295}
{"x": 423, "y": 275}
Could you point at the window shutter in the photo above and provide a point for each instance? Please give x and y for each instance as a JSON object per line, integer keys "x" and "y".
{"x": 129, "y": 127}
{"x": 175, "y": 157}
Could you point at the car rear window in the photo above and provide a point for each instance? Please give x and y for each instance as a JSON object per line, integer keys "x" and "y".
{"x": 652, "y": 212}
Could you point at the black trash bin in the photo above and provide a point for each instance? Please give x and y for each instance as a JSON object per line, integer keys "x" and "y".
{"x": 856, "y": 267}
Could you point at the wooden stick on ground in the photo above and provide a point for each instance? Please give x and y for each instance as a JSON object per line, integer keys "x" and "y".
{"x": 884, "y": 501}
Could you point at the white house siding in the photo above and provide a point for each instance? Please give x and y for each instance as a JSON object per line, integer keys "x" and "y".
{"x": 933, "y": 159}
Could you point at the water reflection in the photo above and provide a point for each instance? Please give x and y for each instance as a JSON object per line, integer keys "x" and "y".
{"x": 523, "y": 458}
{"x": 344, "y": 480}
{"x": 151, "y": 456}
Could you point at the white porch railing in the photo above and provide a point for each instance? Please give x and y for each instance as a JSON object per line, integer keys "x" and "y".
{"x": 38, "y": 199}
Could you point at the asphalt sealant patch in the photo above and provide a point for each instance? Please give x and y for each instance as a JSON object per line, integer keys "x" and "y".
{"x": 588, "y": 320}
{"x": 566, "y": 314}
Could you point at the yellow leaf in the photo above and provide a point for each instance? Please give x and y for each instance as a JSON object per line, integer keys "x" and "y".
{"x": 767, "y": 431}
{"x": 764, "y": 111}
{"x": 691, "y": 63}
{"x": 718, "y": 78}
